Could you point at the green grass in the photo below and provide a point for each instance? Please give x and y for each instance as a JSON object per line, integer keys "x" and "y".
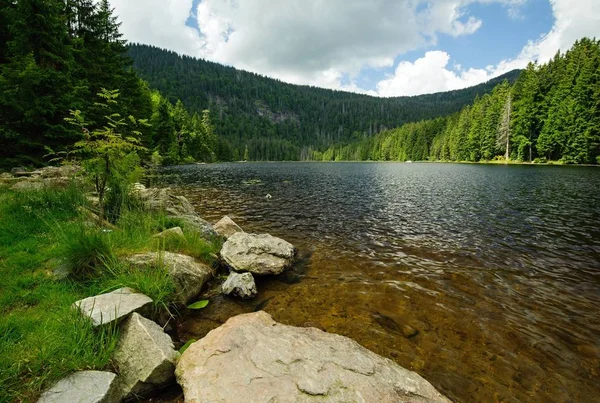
{"x": 42, "y": 338}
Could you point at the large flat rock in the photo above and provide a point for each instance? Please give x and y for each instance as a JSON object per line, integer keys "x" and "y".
{"x": 145, "y": 357}
{"x": 257, "y": 254}
{"x": 113, "y": 306}
{"x": 84, "y": 387}
{"x": 253, "y": 357}
{"x": 187, "y": 274}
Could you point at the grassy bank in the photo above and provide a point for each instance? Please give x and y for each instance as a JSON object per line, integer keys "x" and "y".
{"x": 43, "y": 232}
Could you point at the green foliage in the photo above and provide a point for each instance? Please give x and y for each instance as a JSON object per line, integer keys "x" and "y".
{"x": 199, "y": 304}
{"x": 41, "y": 338}
{"x": 187, "y": 345}
{"x": 85, "y": 252}
{"x": 54, "y": 55}
{"x": 108, "y": 152}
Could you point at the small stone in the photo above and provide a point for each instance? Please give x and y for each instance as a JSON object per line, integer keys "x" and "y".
{"x": 145, "y": 356}
{"x": 84, "y": 387}
{"x": 240, "y": 284}
{"x": 113, "y": 306}
{"x": 409, "y": 331}
{"x": 18, "y": 170}
{"x": 170, "y": 233}
{"x": 226, "y": 227}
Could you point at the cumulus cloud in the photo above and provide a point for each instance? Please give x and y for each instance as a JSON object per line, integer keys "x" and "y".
{"x": 573, "y": 20}
{"x": 321, "y": 42}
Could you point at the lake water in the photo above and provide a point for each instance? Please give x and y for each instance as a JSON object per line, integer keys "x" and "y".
{"x": 484, "y": 279}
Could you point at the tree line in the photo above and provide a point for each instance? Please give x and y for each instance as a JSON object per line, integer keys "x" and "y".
{"x": 274, "y": 120}
{"x": 58, "y": 56}
{"x": 551, "y": 113}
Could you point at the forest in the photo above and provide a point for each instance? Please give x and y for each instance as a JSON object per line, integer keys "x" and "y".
{"x": 274, "y": 120}
{"x": 551, "y": 113}
{"x": 60, "y": 56}
{"x": 57, "y": 57}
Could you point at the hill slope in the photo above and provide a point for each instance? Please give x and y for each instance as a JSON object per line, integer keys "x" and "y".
{"x": 273, "y": 120}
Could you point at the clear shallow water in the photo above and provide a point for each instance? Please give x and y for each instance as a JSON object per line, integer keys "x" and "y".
{"x": 483, "y": 279}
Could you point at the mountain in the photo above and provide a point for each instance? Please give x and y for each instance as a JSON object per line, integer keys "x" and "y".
{"x": 260, "y": 118}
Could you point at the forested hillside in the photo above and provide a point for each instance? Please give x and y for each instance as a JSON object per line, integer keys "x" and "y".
{"x": 552, "y": 112}
{"x": 56, "y": 56}
{"x": 265, "y": 119}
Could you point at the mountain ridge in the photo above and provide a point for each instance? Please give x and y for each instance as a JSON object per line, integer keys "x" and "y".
{"x": 277, "y": 120}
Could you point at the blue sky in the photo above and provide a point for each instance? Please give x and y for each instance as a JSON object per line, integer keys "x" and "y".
{"x": 380, "y": 47}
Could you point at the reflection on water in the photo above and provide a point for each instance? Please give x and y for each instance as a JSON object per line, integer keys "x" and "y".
{"x": 483, "y": 279}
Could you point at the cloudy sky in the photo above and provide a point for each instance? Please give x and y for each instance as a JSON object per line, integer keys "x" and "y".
{"x": 380, "y": 47}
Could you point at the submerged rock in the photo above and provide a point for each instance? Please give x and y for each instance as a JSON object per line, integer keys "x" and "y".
{"x": 84, "y": 387}
{"x": 113, "y": 306}
{"x": 187, "y": 274}
{"x": 145, "y": 356}
{"x": 226, "y": 227}
{"x": 257, "y": 254}
{"x": 253, "y": 356}
{"x": 240, "y": 284}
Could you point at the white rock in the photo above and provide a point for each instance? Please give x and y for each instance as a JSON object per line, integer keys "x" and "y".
{"x": 240, "y": 284}
{"x": 253, "y": 356}
{"x": 145, "y": 356}
{"x": 258, "y": 254}
{"x": 188, "y": 275}
{"x": 113, "y": 306}
{"x": 226, "y": 227}
{"x": 84, "y": 387}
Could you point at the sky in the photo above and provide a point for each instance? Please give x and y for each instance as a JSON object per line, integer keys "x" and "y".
{"x": 378, "y": 47}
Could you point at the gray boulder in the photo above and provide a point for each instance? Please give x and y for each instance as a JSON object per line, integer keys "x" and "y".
{"x": 28, "y": 185}
{"x": 226, "y": 227}
{"x": 258, "y": 254}
{"x": 145, "y": 356}
{"x": 63, "y": 171}
{"x": 163, "y": 200}
{"x": 240, "y": 284}
{"x": 175, "y": 232}
{"x": 84, "y": 387}
{"x": 187, "y": 274}
{"x": 113, "y": 306}
{"x": 253, "y": 356}
{"x": 194, "y": 223}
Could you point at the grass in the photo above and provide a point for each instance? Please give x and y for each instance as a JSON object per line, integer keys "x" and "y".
{"x": 42, "y": 338}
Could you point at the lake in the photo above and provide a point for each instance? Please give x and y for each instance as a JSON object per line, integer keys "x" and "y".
{"x": 484, "y": 279}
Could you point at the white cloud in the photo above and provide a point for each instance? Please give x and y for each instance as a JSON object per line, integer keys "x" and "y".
{"x": 319, "y": 42}
{"x": 573, "y": 20}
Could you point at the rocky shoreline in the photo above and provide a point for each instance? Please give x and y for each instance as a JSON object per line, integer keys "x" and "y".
{"x": 250, "y": 355}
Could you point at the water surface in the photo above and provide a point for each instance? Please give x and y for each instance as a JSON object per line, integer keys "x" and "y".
{"x": 483, "y": 279}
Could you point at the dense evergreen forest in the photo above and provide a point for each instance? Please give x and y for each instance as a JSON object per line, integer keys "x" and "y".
{"x": 56, "y": 56}
{"x": 259, "y": 118}
{"x": 551, "y": 113}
